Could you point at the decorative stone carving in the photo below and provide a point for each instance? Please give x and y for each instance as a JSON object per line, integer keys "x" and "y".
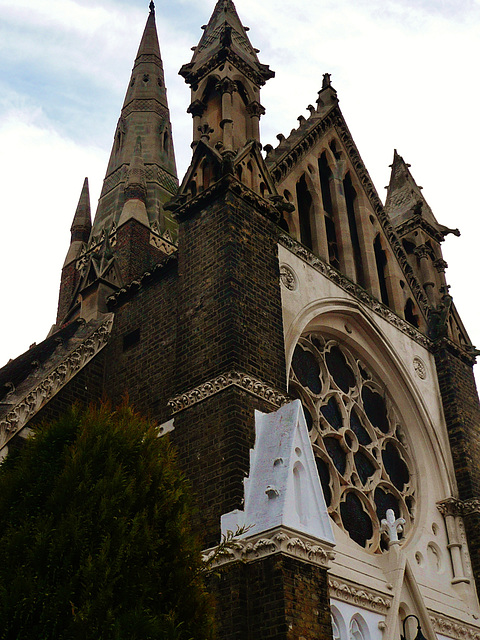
{"x": 281, "y": 540}
{"x": 420, "y": 368}
{"x": 368, "y": 599}
{"x": 347, "y": 285}
{"x": 31, "y": 404}
{"x": 454, "y": 629}
{"x": 228, "y": 379}
{"x": 162, "y": 243}
{"x": 255, "y": 109}
{"x": 288, "y": 277}
{"x": 456, "y": 507}
{"x": 440, "y": 265}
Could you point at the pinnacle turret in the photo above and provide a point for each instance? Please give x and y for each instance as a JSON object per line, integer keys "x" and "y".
{"x": 224, "y": 35}
{"x": 144, "y": 113}
{"x": 135, "y": 189}
{"x": 405, "y": 200}
{"x": 81, "y": 224}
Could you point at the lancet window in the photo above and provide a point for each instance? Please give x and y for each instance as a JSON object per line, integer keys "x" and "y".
{"x": 358, "y": 439}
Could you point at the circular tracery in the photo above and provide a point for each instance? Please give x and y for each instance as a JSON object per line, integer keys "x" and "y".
{"x": 357, "y": 437}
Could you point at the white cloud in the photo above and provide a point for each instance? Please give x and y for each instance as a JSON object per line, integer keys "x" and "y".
{"x": 404, "y": 70}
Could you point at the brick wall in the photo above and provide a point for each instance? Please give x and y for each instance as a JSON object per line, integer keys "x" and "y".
{"x": 230, "y": 313}
{"x": 274, "y": 598}
{"x": 462, "y": 416}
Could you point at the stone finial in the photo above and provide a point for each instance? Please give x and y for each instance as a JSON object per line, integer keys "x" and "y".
{"x": 327, "y": 81}
{"x": 151, "y": 6}
{"x": 392, "y": 527}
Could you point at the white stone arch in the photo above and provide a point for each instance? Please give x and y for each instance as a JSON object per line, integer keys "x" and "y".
{"x": 358, "y": 628}
{"x": 370, "y": 338}
{"x": 338, "y": 624}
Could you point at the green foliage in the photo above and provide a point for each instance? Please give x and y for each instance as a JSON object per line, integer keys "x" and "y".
{"x": 96, "y": 537}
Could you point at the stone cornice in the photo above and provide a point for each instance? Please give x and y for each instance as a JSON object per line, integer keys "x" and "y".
{"x": 193, "y": 78}
{"x": 454, "y": 629}
{"x": 467, "y": 354}
{"x": 281, "y": 540}
{"x": 355, "y": 290}
{"x": 359, "y": 596}
{"x": 30, "y": 405}
{"x": 126, "y": 292}
{"x": 415, "y": 222}
{"x": 183, "y": 210}
{"x": 220, "y": 383}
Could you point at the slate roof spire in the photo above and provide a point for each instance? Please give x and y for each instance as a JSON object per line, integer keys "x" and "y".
{"x": 144, "y": 113}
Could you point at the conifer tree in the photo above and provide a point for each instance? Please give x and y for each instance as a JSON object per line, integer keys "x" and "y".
{"x": 96, "y": 537}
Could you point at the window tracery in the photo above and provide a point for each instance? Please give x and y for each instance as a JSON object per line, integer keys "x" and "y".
{"x": 358, "y": 439}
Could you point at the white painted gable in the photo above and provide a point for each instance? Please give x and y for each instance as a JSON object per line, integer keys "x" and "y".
{"x": 283, "y": 488}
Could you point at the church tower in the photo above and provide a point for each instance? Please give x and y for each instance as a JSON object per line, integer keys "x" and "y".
{"x": 294, "y": 337}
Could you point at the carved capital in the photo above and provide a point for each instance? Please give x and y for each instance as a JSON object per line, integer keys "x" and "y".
{"x": 450, "y": 507}
{"x": 422, "y": 251}
{"x": 226, "y": 85}
{"x": 440, "y": 265}
{"x": 255, "y": 109}
{"x": 197, "y": 108}
{"x": 455, "y": 507}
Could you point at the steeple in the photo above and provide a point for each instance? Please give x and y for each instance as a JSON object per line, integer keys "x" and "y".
{"x": 225, "y": 76}
{"x": 144, "y": 113}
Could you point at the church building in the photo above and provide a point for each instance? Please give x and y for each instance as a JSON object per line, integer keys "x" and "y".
{"x": 296, "y": 340}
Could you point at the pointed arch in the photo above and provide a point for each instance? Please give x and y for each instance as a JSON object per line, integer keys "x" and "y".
{"x": 351, "y": 203}
{"x": 305, "y": 211}
{"x": 381, "y": 263}
{"x": 325, "y": 174}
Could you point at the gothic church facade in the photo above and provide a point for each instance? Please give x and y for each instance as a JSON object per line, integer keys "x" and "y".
{"x": 269, "y": 275}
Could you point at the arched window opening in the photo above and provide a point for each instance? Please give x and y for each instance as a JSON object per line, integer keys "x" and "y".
{"x": 192, "y": 187}
{"x": 283, "y": 224}
{"x": 325, "y": 175}
{"x": 165, "y": 140}
{"x": 350, "y": 198}
{"x": 305, "y": 203}
{"x": 208, "y": 173}
{"x": 238, "y": 171}
{"x": 263, "y": 189}
{"x": 408, "y": 247}
{"x": 381, "y": 262}
{"x": 409, "y": 313}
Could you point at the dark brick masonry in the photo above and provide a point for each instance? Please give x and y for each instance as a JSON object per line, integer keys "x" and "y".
{"x": 462, "y": 416}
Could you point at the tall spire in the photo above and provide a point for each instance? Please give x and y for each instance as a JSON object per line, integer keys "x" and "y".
{"x": 144, "y": 113}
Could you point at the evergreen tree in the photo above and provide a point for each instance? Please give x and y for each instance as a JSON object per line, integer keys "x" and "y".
{"x": 96, "y": 537}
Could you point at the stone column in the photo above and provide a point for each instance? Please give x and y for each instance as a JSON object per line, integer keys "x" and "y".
{"x": 366, "y": 236}
{"x": 342, "y": 228}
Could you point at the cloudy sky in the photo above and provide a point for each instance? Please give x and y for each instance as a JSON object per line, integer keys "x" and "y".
{"x": 405, "y": 71}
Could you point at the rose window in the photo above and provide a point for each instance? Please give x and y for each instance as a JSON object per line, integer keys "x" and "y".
{"x": 358, "y": 439}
